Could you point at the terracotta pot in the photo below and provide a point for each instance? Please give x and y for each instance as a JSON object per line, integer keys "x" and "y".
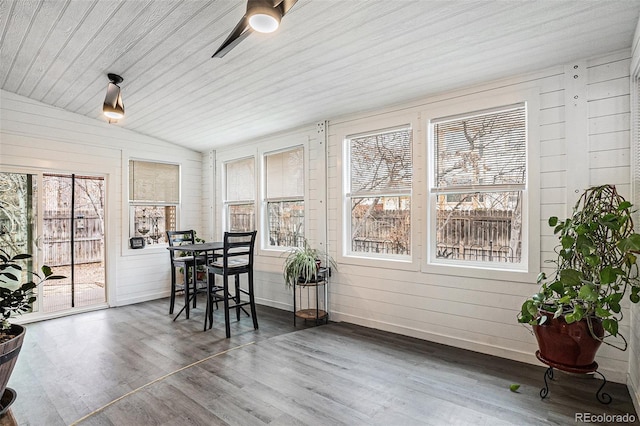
{"x": 9, "y": 351}
{"x": 568, "y": 345}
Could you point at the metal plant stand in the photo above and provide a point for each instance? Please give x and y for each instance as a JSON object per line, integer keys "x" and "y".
{"x": 317, "y": 313}
{"x": 601, "y": 396}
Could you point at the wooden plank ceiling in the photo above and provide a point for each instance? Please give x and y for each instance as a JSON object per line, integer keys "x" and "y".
{"x": 329, "y": 57}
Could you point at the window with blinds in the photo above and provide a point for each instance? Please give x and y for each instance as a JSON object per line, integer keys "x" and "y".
{"x": 284, "y": 197}
{"x": 479, "y": 175}
{"x": 239, "y": 201}
{"x": 380, "y": 171}
{"x": 154, "y": 197}
{"x": 154, "y": 182}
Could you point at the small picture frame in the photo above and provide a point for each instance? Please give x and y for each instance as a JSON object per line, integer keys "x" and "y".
{"x": 136, "y": 242}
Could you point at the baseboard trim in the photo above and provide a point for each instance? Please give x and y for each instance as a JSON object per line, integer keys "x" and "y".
{"x": 142, "y": 298}
{"x": 501, "y": 352}
{"x": 274, "y": 304}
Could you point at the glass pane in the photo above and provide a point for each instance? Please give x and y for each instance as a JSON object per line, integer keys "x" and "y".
{"x": 483, "y": 227}
{"x": 483, "y": 149}
{"x": 285, "y": 174}
{"x": 286, "y": 223}
{"x": 154, "y": 182}
{"x": 18, "y": 195}
{"x": 381, "y": 225}
{"x": 73, "y": 241}
{"x": 240, "y": 180}
{"x": 152, "y": 223}
{"x": 242, "y": 217}
{"x": 381, "y": 162}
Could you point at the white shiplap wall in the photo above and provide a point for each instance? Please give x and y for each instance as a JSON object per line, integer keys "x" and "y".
{"x": 583, "y": 112}
{"x": 36, "y": 137}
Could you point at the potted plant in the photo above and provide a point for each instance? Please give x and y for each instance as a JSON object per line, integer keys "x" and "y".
{"x": 201, "y": 269}
{"x": 595, "y": 269}
{"x": 17, "y": 285}
{"x": 302, "y": 264}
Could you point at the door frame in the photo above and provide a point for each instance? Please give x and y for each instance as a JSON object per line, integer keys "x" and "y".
{"x": 38, "y": 257}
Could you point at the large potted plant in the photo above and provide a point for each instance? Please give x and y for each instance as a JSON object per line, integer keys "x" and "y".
{"x": 579, "y": 306}
{"x": 17, "y": 285}
{"x": 302, "y": 264}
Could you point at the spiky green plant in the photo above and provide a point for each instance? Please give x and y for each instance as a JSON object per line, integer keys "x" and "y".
{"x": 301, "y": 264}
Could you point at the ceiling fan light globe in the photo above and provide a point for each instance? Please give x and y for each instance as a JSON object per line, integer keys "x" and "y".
{"x": 113, "y": 115}
{"x": 264, "y": 19}
{"x": 263, "y": 23}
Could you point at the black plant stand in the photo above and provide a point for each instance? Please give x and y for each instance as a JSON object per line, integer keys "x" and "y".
{"x": 601, "y": 396}
{"x": 318, "y": 313}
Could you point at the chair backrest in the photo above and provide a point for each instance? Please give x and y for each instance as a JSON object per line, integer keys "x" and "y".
{"x": 177, "y": 238}
{"x": 238, "y": 248}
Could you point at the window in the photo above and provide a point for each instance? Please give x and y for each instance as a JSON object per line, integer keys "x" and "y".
{"x": 240, "y": 195}
{"x": 479, "y": 176}
{"x": 154, "y": 195}
{"x": 284, "y": 197}
{"x": 378, "y": 195}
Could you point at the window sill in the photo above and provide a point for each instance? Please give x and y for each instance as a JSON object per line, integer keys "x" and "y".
{"x": 147, "y": 250}
{"x": 387, "y": 262}
{"x": 274, "y": 252}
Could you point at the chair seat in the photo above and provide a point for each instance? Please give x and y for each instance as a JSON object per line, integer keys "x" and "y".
{"x": 231, "y": 263}
{"x": 185, "y": 259}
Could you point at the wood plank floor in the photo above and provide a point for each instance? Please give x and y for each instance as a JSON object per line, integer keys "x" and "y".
{"x": 133, "y": 366}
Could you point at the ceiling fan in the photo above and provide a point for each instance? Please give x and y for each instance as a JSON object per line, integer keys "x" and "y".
{"x": 262, "y": 16}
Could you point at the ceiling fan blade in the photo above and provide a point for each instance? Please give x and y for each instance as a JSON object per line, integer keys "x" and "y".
{"x": 243, "y": 29}
{"x": 239, "y": 33}
{"x": 286, "y": 5}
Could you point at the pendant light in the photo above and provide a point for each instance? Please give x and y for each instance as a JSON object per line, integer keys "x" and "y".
{"x": 113, "y": 107}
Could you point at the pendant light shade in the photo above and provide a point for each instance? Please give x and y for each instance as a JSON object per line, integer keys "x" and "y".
{"x": 113, "y": 107}
{"x": 263, "y": 16}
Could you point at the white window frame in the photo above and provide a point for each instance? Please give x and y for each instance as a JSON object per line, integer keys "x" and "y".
{"x": 266, "y": 244}
{"x": 529, "y": 267}
{"x": 131, "y": 204}
{"x": 226, "y": 203}
{"x": 257, "y": 151}
{"x": 271, "y": 145}
{"x": 369, "y": 126}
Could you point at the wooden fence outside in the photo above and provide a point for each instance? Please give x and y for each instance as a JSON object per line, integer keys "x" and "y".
{"x": 480, "y": 235}
{"x": 88, "y": 238}
{"x": 87, "y": 215}
{"x": 241, "y": 222}
{"x": 483, "y": 235}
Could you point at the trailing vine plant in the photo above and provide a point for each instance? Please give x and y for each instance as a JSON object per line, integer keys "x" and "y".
{"x": 595, "y": 265}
